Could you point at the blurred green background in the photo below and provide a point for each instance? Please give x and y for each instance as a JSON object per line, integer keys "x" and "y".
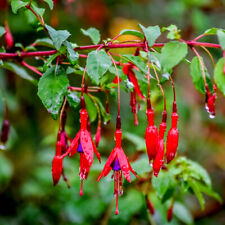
{"x": 27, "y": 195}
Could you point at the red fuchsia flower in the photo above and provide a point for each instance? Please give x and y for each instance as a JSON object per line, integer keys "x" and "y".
{"x": 133, "y": 99}
{"x": 132, "y": 78}
{"x": 173, "y": 136}
{"x": 210, "y": 101}
{"x": 119, "y": 163}
{"x": 151, "y": 135}
{"x": 158, "y": 161}
{"x": 98, "y": 135}
{"x": 84, "y": 145}
{"x": 8, "y": 37}
{"x": 5, "y": 131}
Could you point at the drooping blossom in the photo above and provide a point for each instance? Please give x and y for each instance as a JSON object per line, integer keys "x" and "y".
{"x": 120, "y": 165}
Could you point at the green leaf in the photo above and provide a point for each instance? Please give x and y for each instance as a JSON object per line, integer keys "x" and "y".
{"x": 132, "y": 32}
{"x": 17, "y": 4}
{"x": 182, "y": 213}
{"x": 136, "y": 60}
{"x": 6, "y": 170}
{"x": 106, "y": 116}
{"x": 172, "y": 53}
{"x": 197, "y": 76}
{"x": 73, "y": 98}
{"x": 45, "y": 42}
{"x": 57, "y": 36}
{"x": 52, "y": 88}
{"x": 219, "y": 75}
{"x": 211, "y": 31}
{"x": 71, "y": 54}
{"x": 2, "y": 31}
{"x": 194, "y": 186}
{"x": 50, "y": 60}
{"x": 98, "y": 62}
{"x": 91, "y": 108}
{"x": 221, "y": 37}
{"x": 163, "y": 183}
{"x": 50, "y": 4}
{"x": 39, "y": 11}
{"x": 93, "y": 33}
{"x": 151, "y": 33}
{"x": 174, "y": 32}
{"x": 19, "y": 70}
{"x": 208, "y": 191}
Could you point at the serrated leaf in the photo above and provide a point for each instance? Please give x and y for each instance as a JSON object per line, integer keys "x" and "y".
{"x": 19, "y": 70}
{"x": 221, "y": 37}
{"x": 93, "y": 33}
{"x": 172, "y": 53}
{"x": 219, "y": 75}
{"x": 98, "y": 62}
{"x": 197, "y": 76}
{"x": 17, "y": 4}
{"x": 136, "y": 60}
{"x": 71, "y": 54}
{"x": 132, "y": 32}
{"x": 174, "y": 32}
{"x": 52, "y": 88}
{"x": 91, "y": 108}
{"x": 50, "y": 4}
{"x": 45, "y": 42}
{"x": 73, "y": 98}
{"x": 2, "y": 31}
{"x": 57, "y": 36}
{"x": 151, "y": 33}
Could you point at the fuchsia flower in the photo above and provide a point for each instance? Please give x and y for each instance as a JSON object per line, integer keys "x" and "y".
{"x": 151, "y": 135}
{"x": 61, "y": 149}
{"x": 158, "y": 161}
{"x": 8, "y": 37}
{"x": 132, "y": 78}
{"x": 119, "y": 163}
{"x": 84, "y": 145}
{"x": 210, "y": 100}
{"x": 173, "y": 136}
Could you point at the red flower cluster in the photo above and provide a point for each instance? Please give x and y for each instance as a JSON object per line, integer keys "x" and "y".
{"x": 155, "y": 141}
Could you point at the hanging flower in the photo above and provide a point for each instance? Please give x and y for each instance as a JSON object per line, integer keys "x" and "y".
{"x": 158, "y": 161}
{"x": 210, "y": 101}
{"x": 119, "y": 163}
{"x": 8, "y": 37}
{"x": 151, "y": 136}
{"x": 172, "y": 138}
{"x": 5, "y": 131}
{"x": 84, "y": 145}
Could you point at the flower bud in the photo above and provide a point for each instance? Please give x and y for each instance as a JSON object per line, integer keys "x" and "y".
{"x": 57, "y": 165}
{"x": 5, "y": 131}
{"x": 8, "y": 37}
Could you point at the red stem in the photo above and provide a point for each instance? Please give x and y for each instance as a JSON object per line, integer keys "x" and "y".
{"x": 133, "y": 45}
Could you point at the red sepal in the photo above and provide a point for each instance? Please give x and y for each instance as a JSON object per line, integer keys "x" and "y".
{"x": 74, "y": 145}
{"x": 172, "y": 139}
{"x": 98, "y": 136}
{"x": 131, "y": 76}
{"x": 57, "y": 165}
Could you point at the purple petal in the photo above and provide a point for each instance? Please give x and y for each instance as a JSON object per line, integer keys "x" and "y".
{"x": 80, "y": 149}
{"x": 116, "y": 165}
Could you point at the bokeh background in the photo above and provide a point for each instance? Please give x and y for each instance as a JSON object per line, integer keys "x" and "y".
{"x": 27, "y": 195}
